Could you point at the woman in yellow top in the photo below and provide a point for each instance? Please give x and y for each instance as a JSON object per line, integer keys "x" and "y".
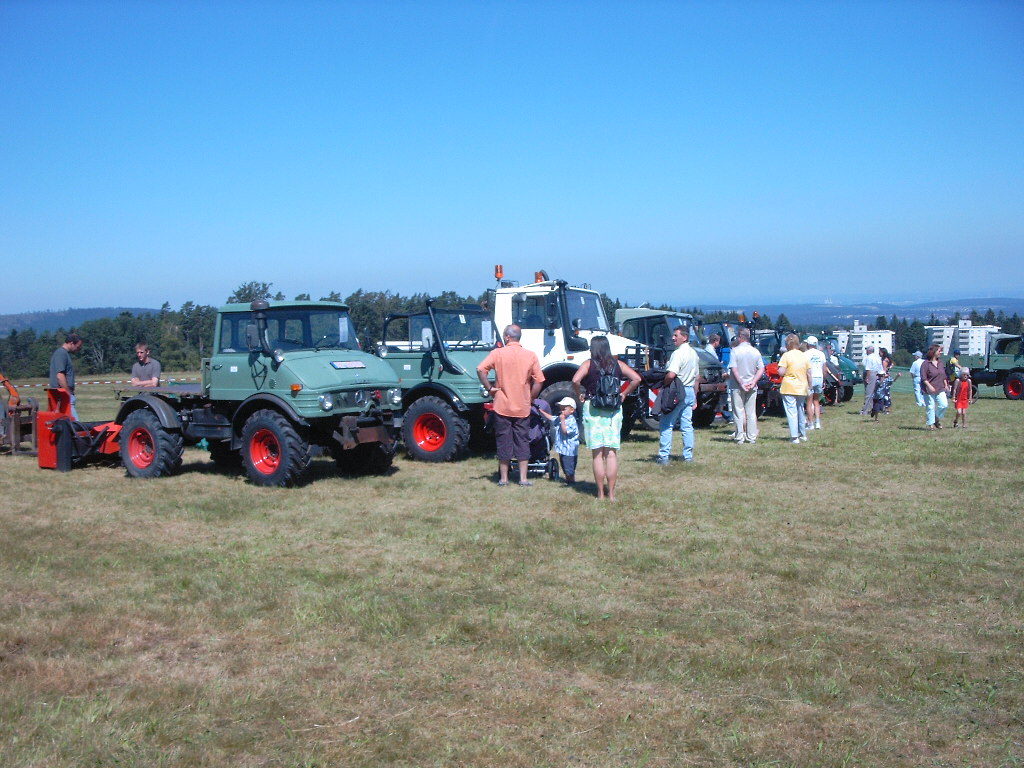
{"x": 795, "y": 369}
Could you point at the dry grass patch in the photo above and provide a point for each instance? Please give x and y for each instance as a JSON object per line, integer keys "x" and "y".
{"x": 852, "y": 601}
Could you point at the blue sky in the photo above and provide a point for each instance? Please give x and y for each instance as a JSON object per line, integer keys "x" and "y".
{"x": 679, "y": 152}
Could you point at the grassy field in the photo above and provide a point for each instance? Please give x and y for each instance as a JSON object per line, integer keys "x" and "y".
{"x": 853, "y": 601}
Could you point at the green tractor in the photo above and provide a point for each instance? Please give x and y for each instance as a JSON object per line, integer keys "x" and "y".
{"x": 285, "y": 379}
{"x": 435, "y": 354}
{"x": 1001, "y": 365}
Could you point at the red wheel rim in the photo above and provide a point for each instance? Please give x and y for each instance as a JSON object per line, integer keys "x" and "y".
{"x": 1015, "y": 387}
{"x": 429, "y": 431}
{"x": 265, "y": 451}
{"x": 140, "y": 447}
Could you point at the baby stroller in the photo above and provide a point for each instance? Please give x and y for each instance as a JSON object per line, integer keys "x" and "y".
{"x": 540, "y": 462}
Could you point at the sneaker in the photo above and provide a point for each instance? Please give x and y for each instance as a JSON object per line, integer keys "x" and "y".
{"x": 795, "y": 441}
{"x": 661, "y": 462}
{"x": 740, "y": 441}
{"x": 817, "y": 425}
{"x": 803, "y": 438}
{"x": 526, "y": 484}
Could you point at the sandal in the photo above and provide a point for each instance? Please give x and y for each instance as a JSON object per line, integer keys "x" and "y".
{"x": 526, "y": 484}
{"x": 502, "y": 482}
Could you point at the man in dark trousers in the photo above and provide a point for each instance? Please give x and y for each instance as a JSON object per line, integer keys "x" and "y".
{"x": 518, "y": 381}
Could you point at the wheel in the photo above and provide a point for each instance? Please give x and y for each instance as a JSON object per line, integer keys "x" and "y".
{"x": 273, "y": 452}
{"x": 365, "y": 459}
{"x": 225, "y": 458}
{"x": 433, "y": 431}
{"x": 847, "y": 394}
{"x": 553, "y": 469}
{"x": 974, "y": 392}
{"x": 147, "y": 449}
{"x": 704, "y": 417}
{"x": 1013, "y": 387}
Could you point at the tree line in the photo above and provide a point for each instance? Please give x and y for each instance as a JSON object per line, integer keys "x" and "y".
{"x": 180, "y": 338}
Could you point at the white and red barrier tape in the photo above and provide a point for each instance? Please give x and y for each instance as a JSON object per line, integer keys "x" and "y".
{"x": 80, "y": 383}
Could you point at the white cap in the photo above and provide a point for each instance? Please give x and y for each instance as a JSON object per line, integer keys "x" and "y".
{"x": 812, "y": 339}
{"x": 566, "y": 401}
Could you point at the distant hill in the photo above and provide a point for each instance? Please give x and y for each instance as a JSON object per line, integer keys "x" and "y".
{"x": 66, "y": 319}
{"x": 844, "y": 315}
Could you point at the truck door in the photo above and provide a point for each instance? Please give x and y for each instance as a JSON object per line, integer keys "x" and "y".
{"x": 234, "y": 371}
{"x": 537, "y": 315}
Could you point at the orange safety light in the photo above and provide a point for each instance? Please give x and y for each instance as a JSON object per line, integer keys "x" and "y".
{"x": 539, "y": 277}
{"x": 499, "y": 271}
{"x": 743, "y": 317}
{"x": 296, "y": 388}
{"x": 756, "y": 314}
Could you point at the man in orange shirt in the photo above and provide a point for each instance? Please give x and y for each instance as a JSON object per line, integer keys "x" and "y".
{"x": 518, "y": 381}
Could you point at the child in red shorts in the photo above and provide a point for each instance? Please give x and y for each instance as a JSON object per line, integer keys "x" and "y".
{"x": 962, "y": 399}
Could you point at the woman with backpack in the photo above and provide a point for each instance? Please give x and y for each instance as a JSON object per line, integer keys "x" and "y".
{"x": 598, "y": 383}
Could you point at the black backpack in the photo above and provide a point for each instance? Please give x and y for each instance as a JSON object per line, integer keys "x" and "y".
{"x": 608, "y": 389}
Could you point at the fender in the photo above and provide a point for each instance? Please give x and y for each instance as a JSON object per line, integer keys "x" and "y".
{"x": 559, "y": 372}
{"x": 168, "y": 416}
{"x": 431, "y": 388}
{"x": 264, "y": 400}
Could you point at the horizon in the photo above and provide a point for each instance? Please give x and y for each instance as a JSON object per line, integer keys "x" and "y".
{"x": 169, "y": 152}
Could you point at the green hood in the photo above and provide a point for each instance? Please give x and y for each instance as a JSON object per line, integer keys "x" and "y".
{"x": 330, "y": 369}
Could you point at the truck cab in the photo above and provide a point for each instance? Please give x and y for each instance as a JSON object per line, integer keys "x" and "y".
{"x": 558, "y": 321}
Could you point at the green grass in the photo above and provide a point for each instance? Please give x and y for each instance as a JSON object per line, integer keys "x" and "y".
{"x": 848, "y": 602}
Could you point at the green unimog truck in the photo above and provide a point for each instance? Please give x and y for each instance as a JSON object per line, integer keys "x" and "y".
{"x": 435, "y": 354}
{"x": 284, "y": 377}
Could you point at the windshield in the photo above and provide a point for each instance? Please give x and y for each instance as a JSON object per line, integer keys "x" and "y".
{"x": 586, "y": 307}
{"x": 768, "y": 344}
{"x": 459, "y": 329}
{"x": 310, "y": 329}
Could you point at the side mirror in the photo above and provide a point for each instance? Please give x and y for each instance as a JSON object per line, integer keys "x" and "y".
{"x": 551, "y": 311}
{"x": 252, "y": 338}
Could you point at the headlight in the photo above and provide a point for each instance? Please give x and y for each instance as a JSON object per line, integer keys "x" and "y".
{"x": 395, "y": 396}
{"x": 278, "y": 356}
{"x": 485, "y": 391}
{"x": 327, "y": 402}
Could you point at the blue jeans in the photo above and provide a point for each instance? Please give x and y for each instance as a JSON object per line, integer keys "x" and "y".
{"x": 683, "y": 413}
{"x": 935, "y": 407}
{"x": 796, "y": 414}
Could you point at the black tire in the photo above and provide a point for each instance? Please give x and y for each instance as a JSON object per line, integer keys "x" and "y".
{"x": 553, "y": 469}
{"x": 224, "y": 457}
{"x": 847, "y": 394}
{"x": 1013, "y": 386}
{"x": 147, "y": 449}
{"x": 433, "y": 431}
{"x": 365, "y": 459}
{"x": 556, "y": 392}
{"x": 704, "y": 417}
{"x": 273, "y": 452}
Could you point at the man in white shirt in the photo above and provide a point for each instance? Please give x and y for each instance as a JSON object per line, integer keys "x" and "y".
{"x": 746, "y": 366}
{"x": 915, "y": 372}
{"x": 872, "y": 369}
{"x": 683, "y": 365}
